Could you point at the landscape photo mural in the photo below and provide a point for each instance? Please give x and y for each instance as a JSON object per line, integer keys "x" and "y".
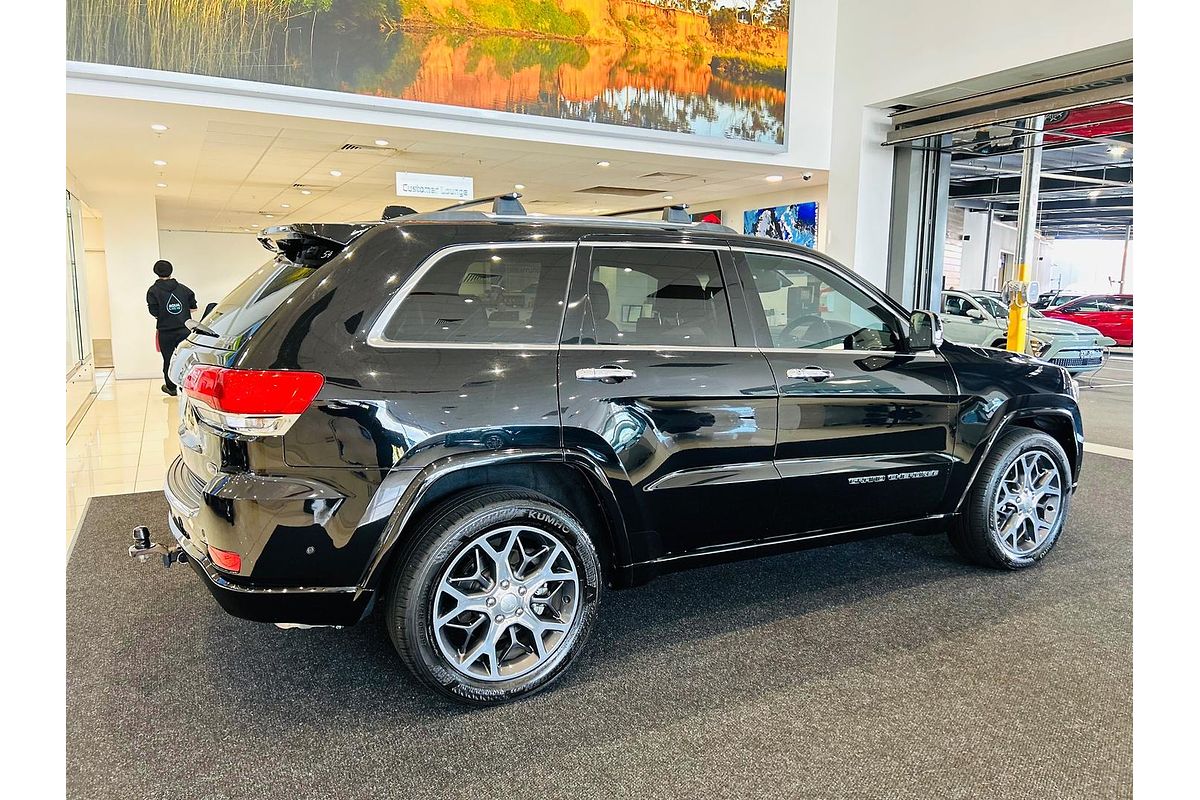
{"x": 712, "y": 68}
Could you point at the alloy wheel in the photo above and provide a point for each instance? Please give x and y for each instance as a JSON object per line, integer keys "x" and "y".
{"x": 1028, "y": 503}
{"x": 505, "y": 603}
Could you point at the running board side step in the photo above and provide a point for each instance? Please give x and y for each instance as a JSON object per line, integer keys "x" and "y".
{"x": 142, "y": 549}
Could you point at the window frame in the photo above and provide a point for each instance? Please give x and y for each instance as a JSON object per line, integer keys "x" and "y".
{"x": 579, "y": 303}
{"x": 762, "y": 335}
{"x": 376, "y": 337}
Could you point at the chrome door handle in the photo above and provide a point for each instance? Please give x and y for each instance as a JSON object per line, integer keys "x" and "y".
{"x": 605, "y": 374}
{"x": 814, "y": 374}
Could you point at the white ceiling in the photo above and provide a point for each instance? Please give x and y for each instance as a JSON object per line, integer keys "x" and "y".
{"x": 227, "y": 170}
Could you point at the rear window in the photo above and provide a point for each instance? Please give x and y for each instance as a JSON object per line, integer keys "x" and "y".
{"x": 245, "y": 308}
{"x": 486, "y": 295}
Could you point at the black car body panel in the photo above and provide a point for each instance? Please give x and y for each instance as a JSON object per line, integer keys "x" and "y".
{"x": 709, "y": 452}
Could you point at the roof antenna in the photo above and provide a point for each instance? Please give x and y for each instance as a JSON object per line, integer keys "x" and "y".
{"x": 391, "y": 212}
{"x": 677, "y": 213}
{"x": 508, "y": 204}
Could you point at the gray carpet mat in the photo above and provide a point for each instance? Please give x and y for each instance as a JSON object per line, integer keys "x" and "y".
{"x": 880, "y": 669}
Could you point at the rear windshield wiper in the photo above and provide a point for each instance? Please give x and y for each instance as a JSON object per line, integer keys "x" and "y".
{"x": 196, "y": 327}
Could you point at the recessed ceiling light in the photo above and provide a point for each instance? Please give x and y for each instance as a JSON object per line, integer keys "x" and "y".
{"x": 158, "y": 127}
{"x": 518, "y": 186}
{"x": 269, "y": 216}
{"x": 602, "y": 163}
{"x": 255, "y": 225}
{"x": 668, "y": 197}
{"x": 161, "y": 185}
{"x": 305, "y": 191}
{"x": 1116, "y": 151}
{"x": 382, "y": 142}
{"x": 337, "y": 173}
{"x": 159, "y": 163}
{"x": 774, "y": 178}
{"x": 285, "y": 205}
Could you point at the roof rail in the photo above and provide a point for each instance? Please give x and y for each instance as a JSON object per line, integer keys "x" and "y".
{"x": 508, "y": 204}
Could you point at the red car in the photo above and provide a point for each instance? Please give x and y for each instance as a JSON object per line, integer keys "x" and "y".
{"x": 1111, "y": 314}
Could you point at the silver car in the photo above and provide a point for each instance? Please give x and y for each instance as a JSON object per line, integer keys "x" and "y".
{"x": 981, "y": 318}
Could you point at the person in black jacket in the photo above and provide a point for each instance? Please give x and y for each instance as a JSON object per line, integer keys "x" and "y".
{"x": 171, "y": 304}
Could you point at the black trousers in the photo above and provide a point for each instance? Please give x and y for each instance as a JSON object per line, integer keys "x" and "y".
{"x": 167, "y": 342}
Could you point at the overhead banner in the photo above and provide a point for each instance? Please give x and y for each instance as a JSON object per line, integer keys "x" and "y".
{"x": 420, "y": 184}
{"x": 703, "y": 68}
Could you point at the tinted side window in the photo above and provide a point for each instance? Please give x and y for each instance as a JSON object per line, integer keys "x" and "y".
{"x": 658, "y": 296}
{"x": 954, "y": 305}
{"x": 496, "y": 295}
{"x": 1088, "y": 304}
{"x": 807, "y": 306}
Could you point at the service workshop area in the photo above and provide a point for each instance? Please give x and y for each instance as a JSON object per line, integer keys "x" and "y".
{"x": 599, "y": 399}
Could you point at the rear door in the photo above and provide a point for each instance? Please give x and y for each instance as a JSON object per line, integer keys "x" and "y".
{"x": 655, "y": 386}
{"x": 866, "y": 433}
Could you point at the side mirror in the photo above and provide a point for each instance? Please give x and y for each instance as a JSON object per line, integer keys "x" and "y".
{"x": 975, "y": 314}
{"x": 208, "y": 310}
{"x": 924, "y": 331}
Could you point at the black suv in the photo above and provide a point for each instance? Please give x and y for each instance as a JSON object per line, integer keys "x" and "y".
{"x": 478, "y": 422}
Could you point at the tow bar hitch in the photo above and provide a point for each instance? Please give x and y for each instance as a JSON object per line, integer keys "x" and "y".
{"x": 143, "y": 549}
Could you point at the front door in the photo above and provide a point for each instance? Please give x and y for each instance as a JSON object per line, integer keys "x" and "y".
{"x": 866, "y": 432}
{"x": 656, "y": 389}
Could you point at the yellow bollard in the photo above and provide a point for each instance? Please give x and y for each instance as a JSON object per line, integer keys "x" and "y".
{"x": 1018, "y": 313}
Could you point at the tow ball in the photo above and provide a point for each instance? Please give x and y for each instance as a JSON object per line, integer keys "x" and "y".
{"x": 143, "y": 549}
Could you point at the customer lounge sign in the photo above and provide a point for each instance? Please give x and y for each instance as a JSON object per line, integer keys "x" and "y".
{"x": 420, "y": 184}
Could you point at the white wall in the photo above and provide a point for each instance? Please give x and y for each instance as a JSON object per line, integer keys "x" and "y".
{"x": 885, "y": 52}
{"x": 99, "y": 322}
{"x": 211, "y": 264}
{"x": 1004, "y": 239}
{"x": 131, "y": 248}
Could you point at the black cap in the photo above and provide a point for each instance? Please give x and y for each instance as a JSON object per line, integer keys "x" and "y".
{"x": 163, "y": 268}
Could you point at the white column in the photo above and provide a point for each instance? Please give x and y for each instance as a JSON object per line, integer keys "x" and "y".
{"x": 860, "y": 191}
{"x": 131, "y": 248}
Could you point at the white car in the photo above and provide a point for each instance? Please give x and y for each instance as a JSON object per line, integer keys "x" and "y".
{"x": 981, "y": 318}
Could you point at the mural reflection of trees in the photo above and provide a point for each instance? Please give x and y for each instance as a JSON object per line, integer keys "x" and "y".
{"x": 692, "y": 66}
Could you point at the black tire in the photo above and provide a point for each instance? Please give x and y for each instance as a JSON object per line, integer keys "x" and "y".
{"x": 1000, "y": 344}
{"x": 974, "y": 532}
{"x": 449, "y": 530}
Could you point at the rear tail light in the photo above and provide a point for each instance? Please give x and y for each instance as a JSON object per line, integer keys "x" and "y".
{"x": 225, "y": 559}
{"x": 251, "y": 402}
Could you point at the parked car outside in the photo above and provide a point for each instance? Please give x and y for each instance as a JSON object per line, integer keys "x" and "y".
{"x": 478, "y": 424}
{"x": 1111, "y": 314}
{"x": 981, "y": 318}
{"x": 1055, "y": 298}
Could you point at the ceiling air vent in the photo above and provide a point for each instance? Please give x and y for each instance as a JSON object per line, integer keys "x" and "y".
{"x": 667, "y": 176}
{"x": 623, "y": 191}
{"x": 369, "y": 148}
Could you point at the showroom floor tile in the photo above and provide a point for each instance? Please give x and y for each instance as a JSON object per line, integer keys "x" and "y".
{"x": 123, "y": 443}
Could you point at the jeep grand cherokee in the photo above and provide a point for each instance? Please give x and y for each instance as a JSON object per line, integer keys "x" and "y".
{"x": 478, "y": 423}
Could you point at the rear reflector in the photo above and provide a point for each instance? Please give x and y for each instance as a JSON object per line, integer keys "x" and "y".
{"x": 226, "y": 560}
{"x": 252, "y": 402}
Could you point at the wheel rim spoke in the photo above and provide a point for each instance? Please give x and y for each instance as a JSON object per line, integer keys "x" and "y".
{"x": 505, "y": 603}
{"x": 1028, "y": 503}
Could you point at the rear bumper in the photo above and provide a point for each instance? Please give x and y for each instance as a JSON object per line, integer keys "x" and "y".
{"x": 295, "y": 604}
{"x": 231, "y": 513}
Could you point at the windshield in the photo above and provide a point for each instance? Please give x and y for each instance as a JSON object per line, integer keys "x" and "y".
{"x": 993, "y": 306}
{"x": 254, "y": 299}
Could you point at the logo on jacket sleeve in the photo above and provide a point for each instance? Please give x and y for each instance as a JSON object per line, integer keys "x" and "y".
{"x": 173, "y": 305}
